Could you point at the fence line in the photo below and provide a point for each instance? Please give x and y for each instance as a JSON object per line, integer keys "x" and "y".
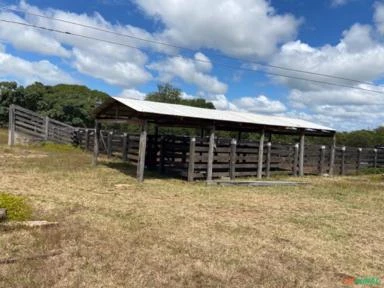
{"x": 188, "y": 157}
{"x": 28, "y": 126}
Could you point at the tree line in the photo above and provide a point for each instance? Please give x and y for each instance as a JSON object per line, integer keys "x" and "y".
{"x": 73, "y": 104}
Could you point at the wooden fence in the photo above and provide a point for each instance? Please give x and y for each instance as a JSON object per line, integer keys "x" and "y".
{"x": 188, "y": 157}
{"x": 26, "y": 126}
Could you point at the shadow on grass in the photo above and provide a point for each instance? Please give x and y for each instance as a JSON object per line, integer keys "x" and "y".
{"x": 130, "y": 170}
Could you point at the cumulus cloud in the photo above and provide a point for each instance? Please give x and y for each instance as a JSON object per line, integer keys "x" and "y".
{"x": 260, "y": 104}
{"x": 132, "y": 94}
{"x": 358, "y": 55}
{"x": 27, "y": 72}
{"x": 379, "y": 16}
{"x": 237, "y": 28}
{"x": 336, "y": 3}
{"x": 190, "y": 71}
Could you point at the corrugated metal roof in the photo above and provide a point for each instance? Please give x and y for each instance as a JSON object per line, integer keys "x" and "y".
{"x": 217, "y": 115}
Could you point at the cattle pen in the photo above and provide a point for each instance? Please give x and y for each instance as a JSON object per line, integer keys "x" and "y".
{"x": 208, "y": 157}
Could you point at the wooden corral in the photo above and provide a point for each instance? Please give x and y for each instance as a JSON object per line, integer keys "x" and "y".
{"x": 207, "y": 157}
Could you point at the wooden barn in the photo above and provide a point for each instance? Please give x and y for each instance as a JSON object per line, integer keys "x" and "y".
{"x": 205, "y": 157}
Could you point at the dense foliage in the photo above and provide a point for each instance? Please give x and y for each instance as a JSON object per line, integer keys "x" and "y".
{"x": 71, "y": 104}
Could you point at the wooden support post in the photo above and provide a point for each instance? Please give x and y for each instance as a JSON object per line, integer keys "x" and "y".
{"x": 210, "y": 154}
{"x": 374, "y": 158}
{"x": 142, "y": 150}
{"x": 342, "y": 168}
{"x": 125, "y": 147}
{"x": 46, "y": 128}
{"x": 358, "y": 161}
{"x": 232, "y": 160}
{"x": 261, "y": 154}
{"x": 295, "y": 159}
{"x": 322, "y": 160}
{"x": 191, "y": 164}
{"x": 332, "y": 157}
{"x": 301, "y": 154}
{"x": 96, "y": 143}
{"x": 11, "y": 126}
{"x": 109, "y": 144}
{"x": 268, "y": 160}
{"x": 86, "y": 144}
{"x": 162, "y": 156}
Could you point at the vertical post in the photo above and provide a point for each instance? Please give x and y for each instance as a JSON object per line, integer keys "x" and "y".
{"x": 191, "y": 164}
{"x": 268, "y": 160}
{"x": 332, "y": 158}
{"x": 46, "y": 128}
{"x": 261, "y": 154}
{"x": 11, "y": 126}
{"x": 342, "y": 169}
{"x": 301, "y": 155}
{"x": 142, "y": 150}
{"x": 375, "y": 158}
{"x": 125, "y": 147}
{"x": 295, "y": 159}
{"x": 358, "y": 161}
{"x": 162, "y": 156}
{"x": 232, "y": 160}
{"x": 96, "y": 143}
{"x": 86, "y": 139}
{"x": 109, "y": 144}
{"x": 210, "y": 153}
{"x": 322, "y": 160}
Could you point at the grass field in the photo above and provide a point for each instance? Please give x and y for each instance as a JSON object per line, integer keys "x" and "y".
{"x": 115, "y": 232}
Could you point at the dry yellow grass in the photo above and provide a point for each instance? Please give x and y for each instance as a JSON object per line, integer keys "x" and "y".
{"x": 115, "y": 232}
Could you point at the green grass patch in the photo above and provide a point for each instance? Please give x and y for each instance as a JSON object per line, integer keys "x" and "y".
{"x": 17, "y": 207}
{"x": 57, "y": 148}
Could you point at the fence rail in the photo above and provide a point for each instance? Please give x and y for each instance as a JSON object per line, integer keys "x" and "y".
{"x": 28, "y": 126}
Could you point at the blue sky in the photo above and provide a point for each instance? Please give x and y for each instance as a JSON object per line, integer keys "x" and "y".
{"x": 343, "y": 38}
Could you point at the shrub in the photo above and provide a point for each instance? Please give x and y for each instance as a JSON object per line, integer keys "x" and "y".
{"x": 17, "y": 207}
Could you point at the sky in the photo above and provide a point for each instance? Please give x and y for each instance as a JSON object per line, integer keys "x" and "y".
{"x": 226, "y": 51}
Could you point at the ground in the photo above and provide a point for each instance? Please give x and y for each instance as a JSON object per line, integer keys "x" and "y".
{"x": 114, "y": 232}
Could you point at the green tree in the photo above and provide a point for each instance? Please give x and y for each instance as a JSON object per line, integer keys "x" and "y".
{"x": 166, "y": 93}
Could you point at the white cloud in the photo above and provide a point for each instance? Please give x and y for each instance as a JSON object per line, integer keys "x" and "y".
{"x": 336, "y": 3}
{"x": 260, "y": 104}
{"x": 237, "y": 28}
{"x": 132, "y": 94}
{"x": 378, "y": 16}
{"x": 190, "y": 71}
{"x": 27, "y": 72}
{"x": 358, "y": 55}
{"x": 29, "y": 39}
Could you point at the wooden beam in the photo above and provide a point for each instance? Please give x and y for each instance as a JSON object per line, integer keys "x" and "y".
{"x": 142, "y": 150}
{"x": 46, "y": 128}
{"x": 295, "y": 159}
{"x": 342, "y": 168}
{"x": 301, "y": 154}
{"x": 322, "y": 160}
{"x": 333, "y": 153}
{"x": 232, "y": 160}
{"x": 261, "y": 154}
{"x": 268, "y": 160}
{"x": 210, "y": 153}
{"x": 11, "y": 126}
{"x": 191, "y": 164}
{"x": 358, "y": 161}
{"x": 375, "y": 158}
{"x": 109, "y": 144}
{"x": 125, "y": 147}
{"x": 96, "y": 143}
